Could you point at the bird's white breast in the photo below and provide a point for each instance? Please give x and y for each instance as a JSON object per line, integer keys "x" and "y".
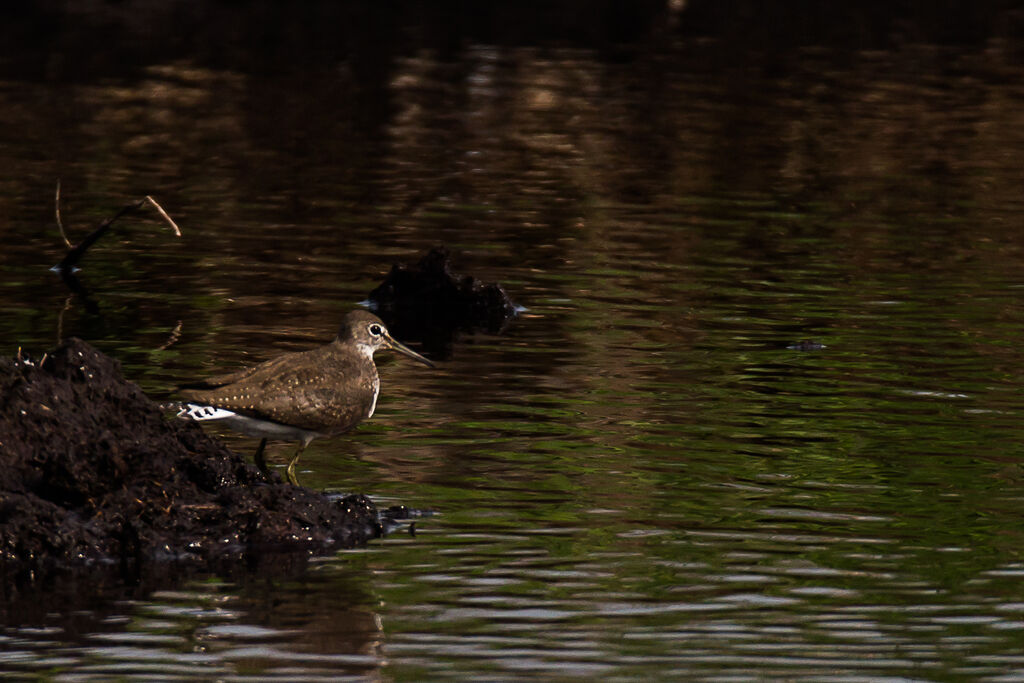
{"x": 376, "y": 393}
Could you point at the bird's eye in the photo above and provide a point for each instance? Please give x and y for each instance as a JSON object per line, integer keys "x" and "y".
{"x": 376, "y": 330}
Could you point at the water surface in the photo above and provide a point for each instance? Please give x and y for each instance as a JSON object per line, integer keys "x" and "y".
{"x": 639, "y": 479}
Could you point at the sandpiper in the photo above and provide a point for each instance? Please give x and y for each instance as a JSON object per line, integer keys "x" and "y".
{"x": 301, "y": 396}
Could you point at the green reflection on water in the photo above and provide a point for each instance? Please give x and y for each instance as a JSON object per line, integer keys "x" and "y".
{"x": 639, "y": 477}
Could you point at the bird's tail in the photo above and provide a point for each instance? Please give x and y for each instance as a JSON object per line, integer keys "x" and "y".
{"x": 195, "y": 411}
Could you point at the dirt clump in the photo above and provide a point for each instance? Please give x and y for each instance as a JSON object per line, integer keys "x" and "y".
{"x": 92, "y": 471}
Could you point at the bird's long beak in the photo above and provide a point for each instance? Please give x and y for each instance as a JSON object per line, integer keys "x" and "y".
{"x": 390, "y": 343}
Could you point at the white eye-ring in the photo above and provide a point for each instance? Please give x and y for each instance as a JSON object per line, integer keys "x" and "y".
{"x": 376, "y": 330}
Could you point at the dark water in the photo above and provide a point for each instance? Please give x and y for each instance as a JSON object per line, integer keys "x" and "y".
{"x": 638, "y": 480}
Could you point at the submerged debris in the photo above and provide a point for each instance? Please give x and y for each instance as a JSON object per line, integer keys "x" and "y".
{"x": 68, "y": 266}
{"x": 94, "y": 471}
{"x": 428, "y": 303}
{"x": 806, "y": 345}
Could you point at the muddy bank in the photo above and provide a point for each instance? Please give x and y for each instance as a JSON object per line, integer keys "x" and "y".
{"x": 94, "y": 472}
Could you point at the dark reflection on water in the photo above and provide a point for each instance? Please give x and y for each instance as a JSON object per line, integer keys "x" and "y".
{"x": 321, "y": 621}
{"x": 639, "y": 479}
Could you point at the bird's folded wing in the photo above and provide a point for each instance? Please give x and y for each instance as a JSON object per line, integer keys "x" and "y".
{"x": 238, "y": 375}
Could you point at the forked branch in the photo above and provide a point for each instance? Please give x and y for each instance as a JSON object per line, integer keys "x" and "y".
{"x": 76, "y": 252}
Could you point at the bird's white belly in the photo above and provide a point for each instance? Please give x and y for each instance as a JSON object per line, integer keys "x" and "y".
{"x": 250, "y": 426}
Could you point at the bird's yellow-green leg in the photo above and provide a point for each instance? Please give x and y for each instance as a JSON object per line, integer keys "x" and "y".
{"x": 291, "y": 466}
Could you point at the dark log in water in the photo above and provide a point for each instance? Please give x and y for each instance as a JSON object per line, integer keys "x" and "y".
{"x": 95, "y": 471}
{"x": 428, "y": 303}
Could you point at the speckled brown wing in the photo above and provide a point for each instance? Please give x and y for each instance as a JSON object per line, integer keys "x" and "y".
{"x": 327, "y": 390}
{"x": 236, "y": 376}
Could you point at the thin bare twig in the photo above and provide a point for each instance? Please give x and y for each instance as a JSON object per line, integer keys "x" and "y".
{"x": 59, "y": 223}
{"x": 163, "y": 213}
{"x": 60, "y": 317}
{"x": 68, "y": 264}
{"x": 175, "y": 335}
{"x": 76, "y": 252}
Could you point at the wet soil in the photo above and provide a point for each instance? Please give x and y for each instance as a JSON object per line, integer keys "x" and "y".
{"x": 94, "y": 472}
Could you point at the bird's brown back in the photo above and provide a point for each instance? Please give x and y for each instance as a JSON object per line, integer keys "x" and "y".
{"x": 329, "y": 389}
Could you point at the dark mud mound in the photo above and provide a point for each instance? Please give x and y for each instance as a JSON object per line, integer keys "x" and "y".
{"x": 92, "y": 470}
{"x": 428, "y": 303}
